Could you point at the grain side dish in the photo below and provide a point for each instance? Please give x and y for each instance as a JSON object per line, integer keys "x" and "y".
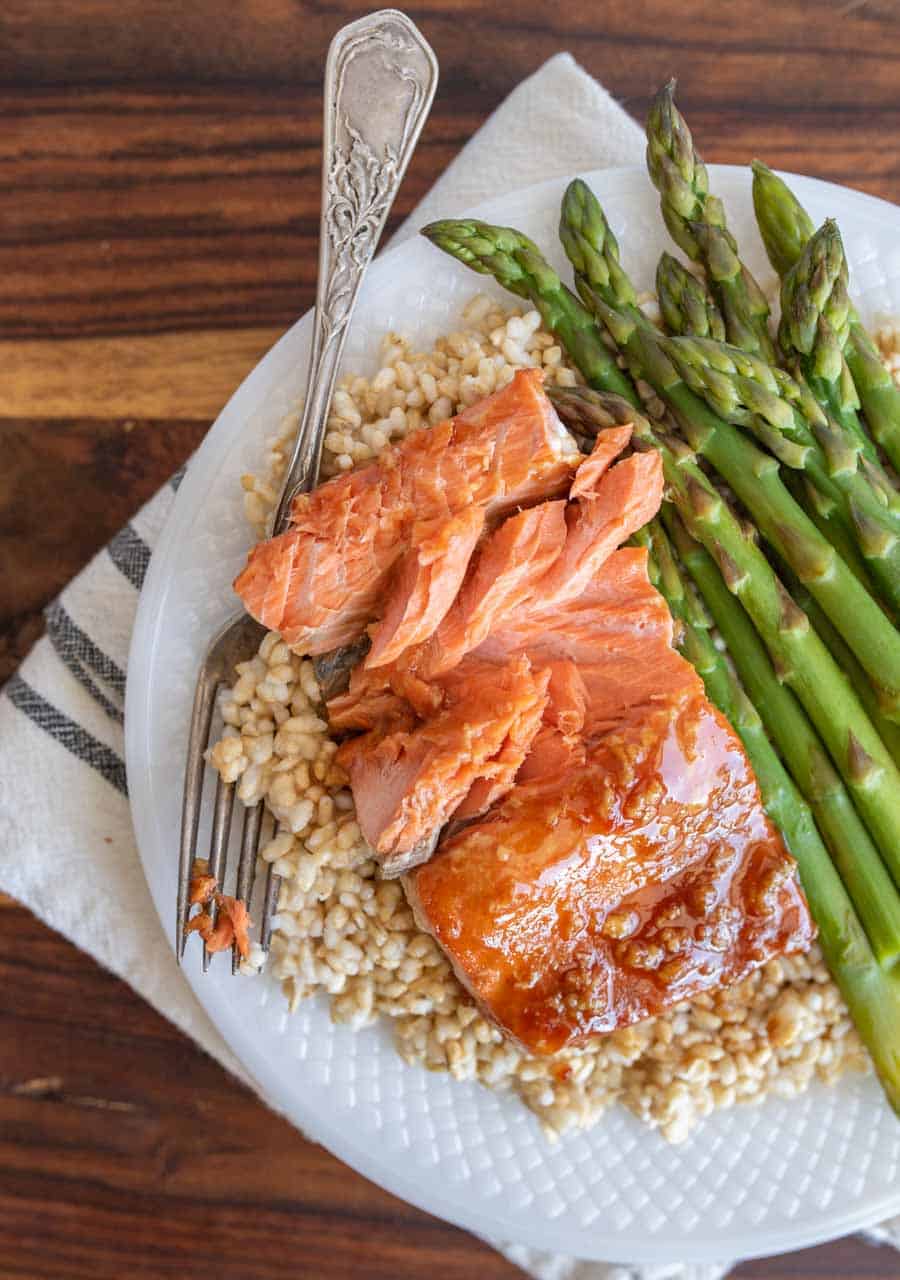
{"x": 343, "y": 931}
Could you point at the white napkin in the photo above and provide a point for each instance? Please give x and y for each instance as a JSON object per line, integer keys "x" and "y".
{"x": 66, "y": 844}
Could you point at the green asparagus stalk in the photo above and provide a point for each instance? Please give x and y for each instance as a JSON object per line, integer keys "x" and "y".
{"x": 786, "y": 228}
{"x": 784, "y": 224}
{"x": 825, "y": 516}
{"x": 517, "y": 264}
{"x": 685, "y": 305}
{"x": 753, "y": 475}
{"x": 874, "y": 896}
{"x": 878, "y": 392}
{"x": 696, "y": 222}
{"x": 868, "y": 693}
{"x": 787, "y": 418}
{"x": 815, "y": 327}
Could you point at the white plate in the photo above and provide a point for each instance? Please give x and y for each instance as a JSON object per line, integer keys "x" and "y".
{"x": 751, "y": 1181}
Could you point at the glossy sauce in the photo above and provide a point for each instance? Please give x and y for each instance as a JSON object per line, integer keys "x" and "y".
{"x": 589, "y": 901}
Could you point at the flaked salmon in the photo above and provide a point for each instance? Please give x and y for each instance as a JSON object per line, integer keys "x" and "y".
{"x": 426, "y": 583}
{"x": 324, "y": 580}
{"x": 408, "y": 779}
{"x": 538, "y": 559}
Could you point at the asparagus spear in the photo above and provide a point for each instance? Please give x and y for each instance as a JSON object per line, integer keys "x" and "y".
{"x": 685, "y": 305}
{"x": 696, "y": 222}
{"x": 869, "y": 694}
{"x": 516, "y": 263}
{"x": 788, "y": 419}
{"x": 786, "y": 227}
{"x": 815, "y": 326}
{"x": 784, "y": 224}
{"x": 825, "y": 516}
{"x": 688, "y": 310}
{"x": 855, "y": 855}
{"x": 752, "y": 474}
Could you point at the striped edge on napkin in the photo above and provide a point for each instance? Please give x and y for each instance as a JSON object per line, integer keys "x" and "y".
{"x": 63, "y": 795}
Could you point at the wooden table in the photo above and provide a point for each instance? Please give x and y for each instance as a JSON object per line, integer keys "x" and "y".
{"x": 158, "y": 216}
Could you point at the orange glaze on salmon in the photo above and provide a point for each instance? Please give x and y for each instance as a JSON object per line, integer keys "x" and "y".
{"x": 589, "y": 899}
{"x": 322, "y": 581}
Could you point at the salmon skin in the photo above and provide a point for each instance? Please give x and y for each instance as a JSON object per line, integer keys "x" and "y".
{"x": 322, "y": 581}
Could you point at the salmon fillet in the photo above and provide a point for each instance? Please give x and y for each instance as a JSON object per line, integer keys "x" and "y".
{"x": 606, "y": 893}
{"x": 323, "y": 580}
{"x": 618, "y": 633}
{"x": 578, "y": 827}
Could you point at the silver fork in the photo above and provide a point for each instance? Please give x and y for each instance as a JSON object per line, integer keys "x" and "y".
{"x": 380, "y": 79}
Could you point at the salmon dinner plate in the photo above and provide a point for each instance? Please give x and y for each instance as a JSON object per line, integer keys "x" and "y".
{"x": 801, "y": 1165}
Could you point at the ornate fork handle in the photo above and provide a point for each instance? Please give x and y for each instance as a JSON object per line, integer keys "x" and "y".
{"x": 380, "y": 79}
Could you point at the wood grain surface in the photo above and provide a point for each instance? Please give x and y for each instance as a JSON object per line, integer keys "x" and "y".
{"x": 158, "y": 216}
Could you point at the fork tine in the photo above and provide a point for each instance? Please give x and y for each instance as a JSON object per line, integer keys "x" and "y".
{"x": 201, "y": 720}
{"x": 270, "y": 902}
{"x": 246, "y": 872}
{"x": 221, "y": 830}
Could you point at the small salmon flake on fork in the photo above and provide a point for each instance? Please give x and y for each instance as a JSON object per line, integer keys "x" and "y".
{"x": 325, "y": 579}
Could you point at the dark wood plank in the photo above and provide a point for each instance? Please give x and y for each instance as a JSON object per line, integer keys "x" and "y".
{"x": 158, "y": 215}
{"x": 66, "y": 487}
{"x": 161, "y": 167}
{"x": 123, "y": 1148}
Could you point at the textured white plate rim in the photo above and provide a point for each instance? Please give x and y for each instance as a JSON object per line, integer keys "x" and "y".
{"x": 339, "y": 1137}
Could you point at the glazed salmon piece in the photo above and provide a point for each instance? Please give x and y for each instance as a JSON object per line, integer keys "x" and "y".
{"x": 604, "y": 516}
{"x": 605, "y": 894}
{"x": 323, "y": 580}
{"x": 567, "y": 696}
{"x": 553, "y": 755}
{"x": 407, "y": 782}
{"x": 530, "y": 554}
{"x": 591, "y": 470}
